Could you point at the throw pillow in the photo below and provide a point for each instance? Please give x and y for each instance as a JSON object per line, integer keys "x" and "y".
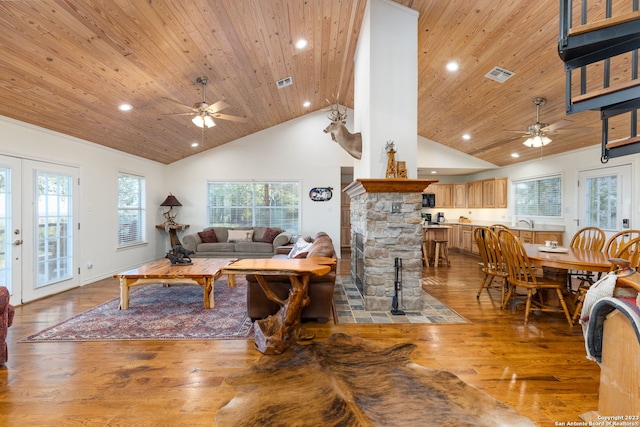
{"x": 300, "y": 247}
{"x": 208, "y": 236}
{"x": 240, "y": 236}
{"x": 270, "y": 235}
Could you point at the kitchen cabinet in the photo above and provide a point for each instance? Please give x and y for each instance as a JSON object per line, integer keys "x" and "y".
{"x": 466, "y": 238}
{"x": 460, "y": 195}
{"x": 444, "y": 195}
{"x": 501, "y": 190}
{"x": 474, "y": 194}
{"x": 488, "y": 193}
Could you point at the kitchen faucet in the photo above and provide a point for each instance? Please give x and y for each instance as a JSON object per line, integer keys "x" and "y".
{"x": 529, "y": 222}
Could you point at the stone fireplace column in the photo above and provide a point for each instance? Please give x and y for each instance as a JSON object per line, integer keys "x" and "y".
{"x": 386, "y": 221}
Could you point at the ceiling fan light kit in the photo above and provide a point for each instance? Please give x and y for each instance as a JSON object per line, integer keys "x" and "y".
{"x": 537, "y": 141}
{"x": 203, "y": 120}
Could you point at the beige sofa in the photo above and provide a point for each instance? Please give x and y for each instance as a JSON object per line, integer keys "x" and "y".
{"x": 236, "y": 242}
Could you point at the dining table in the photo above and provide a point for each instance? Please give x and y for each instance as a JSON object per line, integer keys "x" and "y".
{"x": 556, "y": 263}
{"x": 568, "y": 258}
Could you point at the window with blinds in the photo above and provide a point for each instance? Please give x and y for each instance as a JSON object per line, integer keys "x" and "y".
{"x": 130, "y": 209}
{"x": 268, "y": 204}
{"x": 539, "y": 197}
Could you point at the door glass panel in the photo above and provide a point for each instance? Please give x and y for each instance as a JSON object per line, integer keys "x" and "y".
{"x": 602, "y": 202}
{"x": 5, "y": 228}
{"x": 55, "y": 235}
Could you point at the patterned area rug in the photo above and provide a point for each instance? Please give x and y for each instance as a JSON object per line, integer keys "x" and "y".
{"x": 160, "y": 313}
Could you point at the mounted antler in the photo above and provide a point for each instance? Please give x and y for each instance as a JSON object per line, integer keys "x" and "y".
{"x": 351, "y": 142}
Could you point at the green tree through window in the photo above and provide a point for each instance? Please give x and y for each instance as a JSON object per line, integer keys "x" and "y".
{"x": 270, "y": 204}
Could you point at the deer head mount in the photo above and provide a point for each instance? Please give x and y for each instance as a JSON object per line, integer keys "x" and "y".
{"x": 351, "y": 142}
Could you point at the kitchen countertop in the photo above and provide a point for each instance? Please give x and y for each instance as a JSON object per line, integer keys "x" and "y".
{"x": 538, "y": 227}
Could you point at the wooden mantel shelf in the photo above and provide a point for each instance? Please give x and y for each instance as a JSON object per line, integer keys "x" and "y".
{"x": 387, "y": 185}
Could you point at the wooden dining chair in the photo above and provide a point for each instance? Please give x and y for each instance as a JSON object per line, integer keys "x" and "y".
{"x": 618, "y": 240}
{"x": 629, "y": 250}
{"x": 520, "y": 274}
{"x": 591, "y": 238}
{"x": 492, "y": 263}
{"x": 497, "y": 227}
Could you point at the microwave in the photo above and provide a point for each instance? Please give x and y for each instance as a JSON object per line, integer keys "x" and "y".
{"x": 428, "y": 200}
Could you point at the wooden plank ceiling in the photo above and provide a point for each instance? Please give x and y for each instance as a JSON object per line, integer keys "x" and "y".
{"x": 67, "y": 64}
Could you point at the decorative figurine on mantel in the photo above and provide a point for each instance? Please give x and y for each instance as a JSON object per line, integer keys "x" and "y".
{"x": 392, "y": 167}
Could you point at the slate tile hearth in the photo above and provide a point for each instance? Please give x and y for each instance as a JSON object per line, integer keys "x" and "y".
{"x": 349, "y": 306}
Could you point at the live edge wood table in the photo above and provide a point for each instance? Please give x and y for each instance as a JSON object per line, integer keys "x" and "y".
{"x": 278, "y": 332}
{"x": 202, "y": 271}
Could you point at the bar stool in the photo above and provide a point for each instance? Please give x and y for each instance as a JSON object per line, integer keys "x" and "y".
{"x": 441, "y": 252}
{"x": 425, "y": 250}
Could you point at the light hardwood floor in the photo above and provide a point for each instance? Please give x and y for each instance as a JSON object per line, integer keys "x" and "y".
{"x": 540, "y": 370}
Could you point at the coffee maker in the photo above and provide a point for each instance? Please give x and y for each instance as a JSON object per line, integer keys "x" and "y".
{"x": 440, "y": 217}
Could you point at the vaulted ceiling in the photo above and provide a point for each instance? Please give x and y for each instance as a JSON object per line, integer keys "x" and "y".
{"x": 66, "y": 65}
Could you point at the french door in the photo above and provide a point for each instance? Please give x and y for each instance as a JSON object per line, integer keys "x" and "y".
{"x": 605, "y": 198}
{"x": 39, "y": 228}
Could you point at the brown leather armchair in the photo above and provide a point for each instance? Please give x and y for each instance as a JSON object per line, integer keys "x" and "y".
{"x": 320, "y": 307}
{"x": 6, "y": 319}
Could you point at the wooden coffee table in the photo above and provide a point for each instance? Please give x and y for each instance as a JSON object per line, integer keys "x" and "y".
{"x": 202, "y": 271}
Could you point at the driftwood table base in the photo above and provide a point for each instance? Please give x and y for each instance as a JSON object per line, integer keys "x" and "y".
{"x": 276, "y": 333}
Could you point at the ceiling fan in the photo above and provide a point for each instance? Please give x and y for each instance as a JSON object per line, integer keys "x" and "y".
{"x": 536, "y": 133}
{"x": 203, "y": 112}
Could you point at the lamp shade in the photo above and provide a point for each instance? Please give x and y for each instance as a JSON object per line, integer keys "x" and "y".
{"x": 171, "y": 201}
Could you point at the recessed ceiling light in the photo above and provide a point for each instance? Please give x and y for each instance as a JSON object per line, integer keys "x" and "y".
{"x": 466, "y": 137}
{"x": 194, "y": 144}
{"x": 452, "y": 66}
{"x": 305, "y": 104}
{"x": 125, "y": 107}
{"x": 515, "y": 155}
{"x": 433, "y": 172}
{"x": 301, "y": 44}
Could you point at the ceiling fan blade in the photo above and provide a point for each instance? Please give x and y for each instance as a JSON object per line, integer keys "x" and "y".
{"x": 179, "y": 114}
{"x": 178, "y": 102}
{"x": 557, "y": 125}
{"x": 494, "y": 145}
{"x": 220, "y": 105}
{"x": 230, "y": 118}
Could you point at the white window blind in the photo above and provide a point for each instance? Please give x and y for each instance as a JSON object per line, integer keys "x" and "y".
{"x": 540, "y": 197}
{"x": 269, "y": 204}
{"x": 131, "y": 209}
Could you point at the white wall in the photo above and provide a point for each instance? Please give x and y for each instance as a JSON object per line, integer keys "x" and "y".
{"x": 98, "y": 170}
{"x": 294, "y": 150}
{"x": 387, "y": 52}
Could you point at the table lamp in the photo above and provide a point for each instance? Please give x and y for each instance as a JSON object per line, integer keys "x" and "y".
{"x": 170, "y": 201}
